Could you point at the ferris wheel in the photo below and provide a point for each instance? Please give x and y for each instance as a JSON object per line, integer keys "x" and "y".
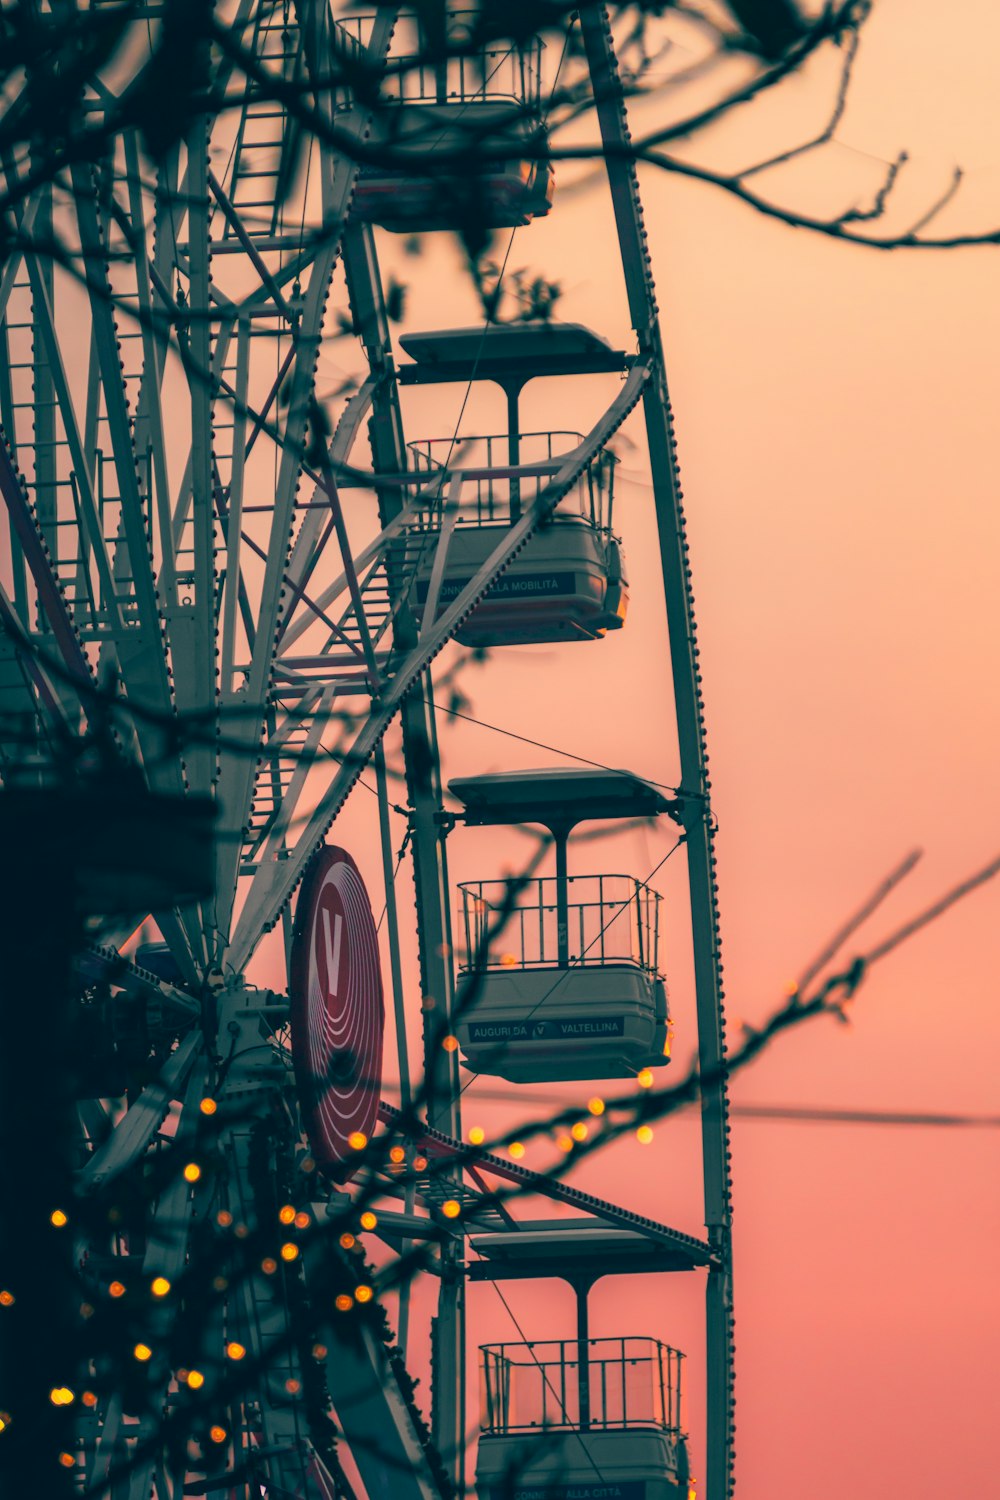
{"x": 230, "y": 600}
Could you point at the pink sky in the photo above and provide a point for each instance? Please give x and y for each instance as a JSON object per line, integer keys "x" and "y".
{"x": 836, "y": 418}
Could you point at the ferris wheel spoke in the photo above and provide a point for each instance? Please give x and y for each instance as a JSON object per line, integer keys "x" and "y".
{"x": 131, "y": 1136}
{"x": 274, "y": 883}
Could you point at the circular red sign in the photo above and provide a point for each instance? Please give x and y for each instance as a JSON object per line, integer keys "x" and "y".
{"x": 337, "y": 1010}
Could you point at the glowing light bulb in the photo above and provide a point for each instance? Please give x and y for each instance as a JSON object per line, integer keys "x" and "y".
{"x": 450, "y": 1044}
{"x": 208, "y": 1106}
{"x": 268, "y": 1265}
{"x": 287, "y": 1214}
{"x": 596, "y": 1106}
{"x": 451, "y": 1208}
{"x": 293, "y": 1387}
{"x": 319, "y": 1351}
{"x": 357, "y": 1140}
{"x": 344, "y": 1302}
{"x": 192, "y": 1172}
{"x": 89, "y": 1398}
{"x": 477, "y": 1135}
{"x": 368, "y": 1219}
{"x": 420, "y": 1164}
{"x": 302, "y": 1220}
{"x": 347, "y": 1242}
{"x": 58, "y": 1218}
{"x": 116, "y": 1289}
{"x": 6, "y": 1298}
{"x": 142, "y": 1352}
{"x": 363, "y": 1294}
{"x": 289, "y": 1251}
{"x": 217, "y": 1434}
{"x": 224, "y": 1218}
{"x": 579, "y": 1131}
{"x": 565, "y": 1143}
{"x": 159, "y": 1286}
{"x": 397, "y": 1154}
{"x": 67, "y": 1460}
{"x": 645, "y": 1078}
{"x": 644, "y": 1135}
{"x": 235, "y": 1350}
{"x": 195, "y": 1379}
{"x": 61, "y": 1395}
{"x": 516, "y": 1149}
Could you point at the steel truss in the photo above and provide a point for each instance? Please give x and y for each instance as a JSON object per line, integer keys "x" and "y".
{"x": 183, "y": 569}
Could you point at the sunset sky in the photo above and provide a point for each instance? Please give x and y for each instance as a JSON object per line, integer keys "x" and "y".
{"x": 836, "y": 424}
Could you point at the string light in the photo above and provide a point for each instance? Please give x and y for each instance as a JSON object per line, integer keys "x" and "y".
{"x": 293, "y": 1387}
{"x": 89, "y": 1398}
{"x": 289, "y": 1251}
{"x": 61, "y": 1395}
{"x": 208, "y": 1106}
{"x": 644, "y": 1135}
{"x": 363, "y": 1294}
{"x": 368, "y": 1219}
{"x": 451, "y": 1208}
{"x": 347, "y": 1242}
{"x": 420, "y": 1164}
{"x": 516, "y": 1149}
{"x": 192, "y": 1172}
{"x": 450, "y": 1044}
{"x": 307, "y": 1165}
{"x": 6, "y": 1298}
{"x": 217, "y": 1434}
{"x": 287, "y": 1214}
{"x": 357, "y": 1140}
{"x": 58, "y": 1218}
{"x": 319, "y": 1351}
{"x": 235, "y": 1350}
{"x": 116, "y": 1289}
{"x": 596, "y": 1106}
{"x": 268, "y": 1266}
{"x": 224, "y": 1218}
{"x": 302, "y": 1220}
{"x": 159, "y": 1286}
{"x": 565, "y": 1143}
{"x": 579, "y": 1131}
{"x": 477, "y": 1135}
{"x": 142, "y": 1352}
{"x": 241, "y": 1231}
{"x": 344, "y": 1302}
{"x": 645, "y": 1078}
{"x": 4, "y": 1420}
{"x": 397, "y": 1154}
{"x": 195, "y": 1379}
{"x": 67, "y": 1460}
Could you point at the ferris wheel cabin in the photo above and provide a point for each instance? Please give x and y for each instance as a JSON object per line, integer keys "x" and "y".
{"x": 568, "y": 582}
{"x": 480, "y": 106}
{"x": 584, "y": 1416}
{"x": 564, "y": 970}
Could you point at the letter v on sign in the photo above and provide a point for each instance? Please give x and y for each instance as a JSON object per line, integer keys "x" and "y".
{"x": 332, "y": 952}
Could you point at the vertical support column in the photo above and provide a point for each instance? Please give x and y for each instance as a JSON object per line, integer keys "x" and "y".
{"x": 582, "y": 1290}
{"x": 512, "y": 392}
{"x": 695, "y": 783}
{"x": 430, "y": 866}
{"x": 561, "y": 837}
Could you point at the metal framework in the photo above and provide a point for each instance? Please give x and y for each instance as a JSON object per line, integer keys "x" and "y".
{"x": 188, "y": 590}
